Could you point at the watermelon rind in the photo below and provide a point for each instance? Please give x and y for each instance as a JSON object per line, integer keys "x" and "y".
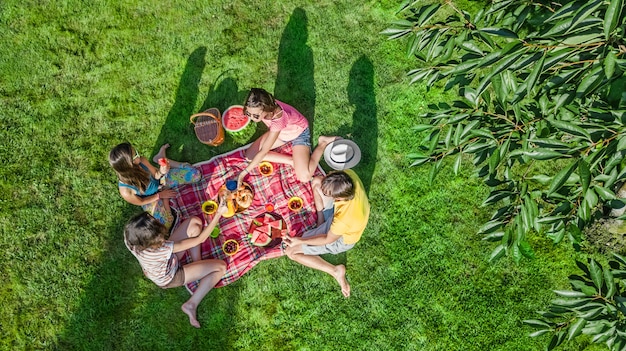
{"x": 225, "y": 115}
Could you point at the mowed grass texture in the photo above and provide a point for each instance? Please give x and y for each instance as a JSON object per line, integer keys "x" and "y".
{"x": 77, "y": 78}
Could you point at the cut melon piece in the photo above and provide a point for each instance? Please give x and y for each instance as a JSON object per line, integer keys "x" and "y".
{"x": 262, "y": 240}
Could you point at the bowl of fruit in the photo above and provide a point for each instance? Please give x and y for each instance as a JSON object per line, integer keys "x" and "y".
{"x": 295, "y": 204}
{"x": 209, "y": 207}
{"x": 266, "y": 168}
{"x": 230, "y": 247}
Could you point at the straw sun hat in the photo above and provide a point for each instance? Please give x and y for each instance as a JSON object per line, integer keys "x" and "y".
{"x": 342, "y": 154}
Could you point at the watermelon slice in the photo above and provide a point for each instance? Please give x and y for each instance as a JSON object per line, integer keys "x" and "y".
{"x": 234, "y": 119}
{"x": 262, "y": 240}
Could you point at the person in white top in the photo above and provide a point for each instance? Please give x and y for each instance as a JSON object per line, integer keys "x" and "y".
{"x": 159, "y": 257}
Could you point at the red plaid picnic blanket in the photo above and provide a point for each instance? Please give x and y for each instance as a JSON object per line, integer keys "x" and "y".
{"x": 275, "y": 189}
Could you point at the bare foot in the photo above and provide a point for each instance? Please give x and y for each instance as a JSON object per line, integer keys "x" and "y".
{"x": 190, "y": 310}
{"x": 340, "y": 276}
{"x": 161, "y": 153}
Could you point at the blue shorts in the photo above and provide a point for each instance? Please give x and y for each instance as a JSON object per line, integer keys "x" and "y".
{"x": 303, "y": 139}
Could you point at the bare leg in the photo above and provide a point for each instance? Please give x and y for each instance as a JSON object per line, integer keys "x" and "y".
{"x": 338, "y": 272}
{"x": 188, "y": 229}
{"x": 271, "y": 156}
{"x": 304, "y": 162}
{"x": 161, "y": 154}
{"x": 209, "y": 272}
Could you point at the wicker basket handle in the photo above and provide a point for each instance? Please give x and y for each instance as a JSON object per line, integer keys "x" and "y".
{"x": 208, "y": 113}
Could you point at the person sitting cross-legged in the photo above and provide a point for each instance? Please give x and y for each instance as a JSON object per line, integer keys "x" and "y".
{"x": 343, "y": 211}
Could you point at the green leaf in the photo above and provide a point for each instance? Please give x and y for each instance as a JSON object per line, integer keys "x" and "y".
{"x": 569, "y": 303}
{"x": 497, "y": 236}
{"x": 570, "y": 128}
{"x": 526, "y": 249}
{"x": 485, "y": 133}
{"x": 584, "y": 12}
{"x": 496, "y": 196}
{"x": 532, "y": 78}
{"x": 620, "y": 258}
{"x": 559, "y": 180}
{"x": 434, "y": 170}
{"x": 505, "y": 63}
{"x": 604, "y": 193}
{"x": 559, "y": 28}
{"x": 457, "y": 163}
{"x": 428, "y": 14}
{"x": 550, "y": 219}
{"x": 569, "y": 293}
{"x": 621, "y": 145}
{"x": 611, "y": 17}
{"x": 471, "y": 47}
{"x": 543, "y": 154}
{"x": 590, "y": 81}
{"x": 539, "y": 333}
{"x": 422, "y": 127}
{"x": 537, "y": 323}
{"x": 576, "y": 328}
{"x": 497, "y": 253}
{"x": 468, "y": 128}
{"x": 592, "y": 313}
{"x": 584, "y": 173}
{"x": 595, "y": 270}
{"x": 610, "y": 283}
{"x": 502, "y": 32}
{"x": 591, "y": 198}
{"x": 621, "y": 303}
{"x": 609, "y": 64}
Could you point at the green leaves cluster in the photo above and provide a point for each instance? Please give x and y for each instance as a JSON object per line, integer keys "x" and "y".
{"x": 540, "y": 108}
{"x": 596, "y": 306}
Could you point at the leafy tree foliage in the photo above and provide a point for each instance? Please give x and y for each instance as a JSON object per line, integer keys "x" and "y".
{"x": 540, "y": 111}
{"x": 596, "y": 307}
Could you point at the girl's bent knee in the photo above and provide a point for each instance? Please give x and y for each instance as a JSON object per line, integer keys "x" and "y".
{"x": 303, "y": 176}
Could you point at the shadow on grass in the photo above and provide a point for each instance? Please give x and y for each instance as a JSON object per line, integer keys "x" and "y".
{"x": 364, "y": 129}
{"x": 114, "y": 313}
{"x": 295, "y": 84}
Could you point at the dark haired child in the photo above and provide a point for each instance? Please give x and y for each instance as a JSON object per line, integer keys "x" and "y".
{"x": 285, "y": 125}
{"x": 159, "y": 256}
{"x": 139, "y": 182}
{"x": 342, "y": 212}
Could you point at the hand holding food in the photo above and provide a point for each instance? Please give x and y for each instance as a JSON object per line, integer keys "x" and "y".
{"x": 167, "y": 194}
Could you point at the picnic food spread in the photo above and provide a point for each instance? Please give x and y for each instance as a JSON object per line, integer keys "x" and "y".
{"x": 237, "y": 201}
{"x": 275, "y": 190}
{"x": 266, "y": 228}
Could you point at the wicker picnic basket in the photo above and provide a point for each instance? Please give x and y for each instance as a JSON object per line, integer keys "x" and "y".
{"x": 208, "y": 127}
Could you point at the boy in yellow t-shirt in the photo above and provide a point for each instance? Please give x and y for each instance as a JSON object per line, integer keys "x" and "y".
{"x": 339, "y": 226}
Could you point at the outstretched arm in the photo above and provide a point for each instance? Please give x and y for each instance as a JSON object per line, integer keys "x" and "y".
{"x": 188, "y": 243}
{"x": 264, "y": 148}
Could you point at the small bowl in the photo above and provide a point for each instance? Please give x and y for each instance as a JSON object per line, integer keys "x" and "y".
{"x": 295, "y": 204}
{"x": 266, "y": 168}
{"x": 209, "y": 207}
{"x": 230, "y": 247}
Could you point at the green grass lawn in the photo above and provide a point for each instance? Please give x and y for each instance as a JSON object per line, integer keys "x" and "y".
{"x": 77, "y": 78}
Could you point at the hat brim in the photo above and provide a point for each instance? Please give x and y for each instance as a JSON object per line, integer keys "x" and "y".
{"x": 356, "y": 157}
